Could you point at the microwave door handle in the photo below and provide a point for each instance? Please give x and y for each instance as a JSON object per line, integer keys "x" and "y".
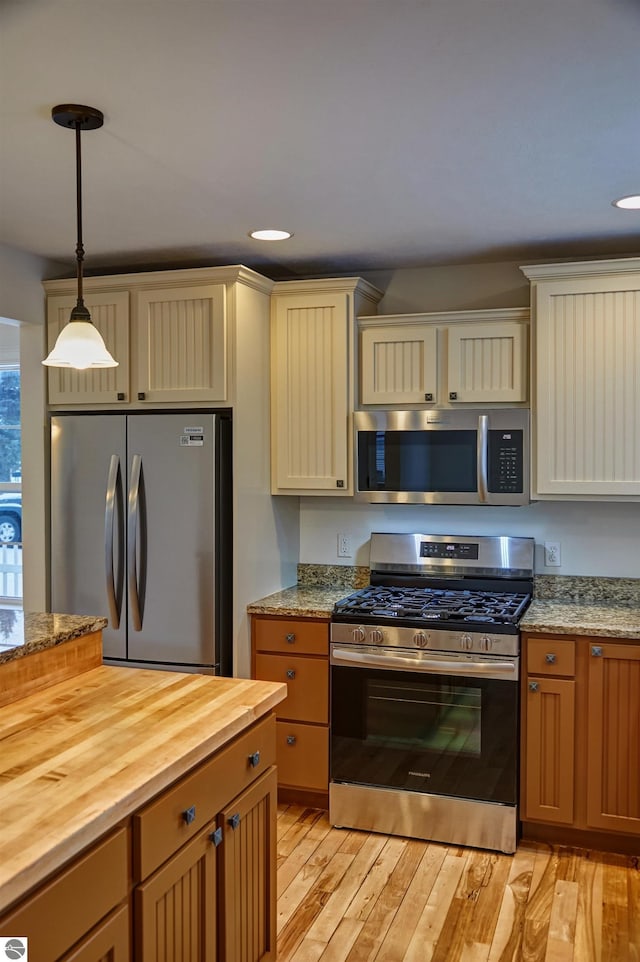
{"x": 482, "y": 455}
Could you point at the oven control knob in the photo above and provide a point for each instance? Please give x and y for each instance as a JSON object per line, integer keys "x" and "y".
{"x": 376, "y": 637}
{"x": 466, "y": 642}
{"x": 486, "y": 643}
{"x": 420, "y": 639}
{"x": 358, "y": 635}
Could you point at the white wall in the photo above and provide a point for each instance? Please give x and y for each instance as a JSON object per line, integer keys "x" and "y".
{"x": 22, "y": 300}
{"x": 596, "y": 538}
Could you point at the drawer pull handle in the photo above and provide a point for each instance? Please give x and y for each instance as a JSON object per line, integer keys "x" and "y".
{"x": 290, "y": 638}
{"x": 550, "y": 658}
{"x": 596, "y": 651}
{"x": 254, "y": 759}
{"x": 234, "y": 821}
{"x": 291, "y": 739}
{"x": 291, "y": 673}
{"x": 216, "y": 837}
{"x": 189, "y": 815}
{"x": 534, "y": 686}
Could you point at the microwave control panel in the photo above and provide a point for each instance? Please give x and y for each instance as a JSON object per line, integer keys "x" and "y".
{"x": 506, "y": 462}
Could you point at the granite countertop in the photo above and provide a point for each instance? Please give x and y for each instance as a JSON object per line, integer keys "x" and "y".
{"x": 575, "y": 605}
{"x": 23, "y": 633}
{"x": 300, "y": 601}
{"x": 582, "y": 618}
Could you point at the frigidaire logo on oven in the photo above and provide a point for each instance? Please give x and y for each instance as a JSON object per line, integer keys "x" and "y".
{"x": 421, "y": 774}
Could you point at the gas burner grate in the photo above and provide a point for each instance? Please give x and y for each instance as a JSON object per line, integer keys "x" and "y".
{"x": 433, "y": 604}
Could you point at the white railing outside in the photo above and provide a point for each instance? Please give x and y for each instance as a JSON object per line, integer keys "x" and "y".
{"x": 10, "y": 572}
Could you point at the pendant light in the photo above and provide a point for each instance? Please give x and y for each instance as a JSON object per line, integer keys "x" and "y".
{"x": 79, "y": 344}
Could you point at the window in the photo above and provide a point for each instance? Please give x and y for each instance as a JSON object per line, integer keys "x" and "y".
{"x": 10, "y": 484}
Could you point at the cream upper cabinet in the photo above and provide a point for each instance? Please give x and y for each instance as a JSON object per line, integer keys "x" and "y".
{"x": 445, "y": 359}
{"x": 313, "y": 354}
{"x": 170, "y": 331}
{"x": 586, "y": 358}
{"x": 110, "y": 314}
{"x": 182, "y": 344}
{"x": 398, "y": 364}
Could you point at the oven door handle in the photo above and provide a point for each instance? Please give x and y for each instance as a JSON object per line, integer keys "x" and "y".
{"x": 340, "y": 656}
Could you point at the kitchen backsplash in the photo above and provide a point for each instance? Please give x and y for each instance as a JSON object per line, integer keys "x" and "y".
{"x": 338, "y": 576}
{"x": 619, "y": 591}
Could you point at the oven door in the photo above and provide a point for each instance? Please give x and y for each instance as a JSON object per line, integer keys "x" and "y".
{"x": 422, "y": 722}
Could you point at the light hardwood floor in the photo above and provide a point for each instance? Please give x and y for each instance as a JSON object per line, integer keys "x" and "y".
{"x": 348, "y": 896}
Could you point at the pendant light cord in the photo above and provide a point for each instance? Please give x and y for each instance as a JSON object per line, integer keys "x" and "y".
{"x": 80, "y": 312}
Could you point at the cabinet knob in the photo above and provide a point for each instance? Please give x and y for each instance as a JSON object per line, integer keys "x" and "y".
{"x": 234, "y": 821}
{"x": 550, "y": 658}
{"x": 189, "y": 815}
{"x": 453, "y": 395}
{"x": 291, "y": 739}
{"x": 596, "y": 651}
{"x": 216, "y": 837}
{"x": 254, "y": 759}
{"x": 291, "y": 673}
{"x": 120, "y": 396}
{"x": 141, "y": 395}
{"x": 339, "y": 484}
{"x": 290, "y": 638}
{"x": 534, "y": 686}
{"x": 428, "y": 396}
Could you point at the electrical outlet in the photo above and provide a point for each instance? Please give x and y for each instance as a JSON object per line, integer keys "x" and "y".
{"x": 344, "y": 546}
{"x": 552, "y": 554}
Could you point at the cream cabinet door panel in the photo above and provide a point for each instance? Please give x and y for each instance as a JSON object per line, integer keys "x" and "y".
{"x": 110, "y": 315}
{"x": 487, "y": 362}
{"x": 399, "y": 365}
{"x": 587, "y": 398}
{"x": 310, "y": 391}
{"x": 182, "y": 344}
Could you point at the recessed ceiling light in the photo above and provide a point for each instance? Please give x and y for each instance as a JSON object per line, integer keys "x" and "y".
{"x": 632, "y": 202}
{"x": 270, "y": 235}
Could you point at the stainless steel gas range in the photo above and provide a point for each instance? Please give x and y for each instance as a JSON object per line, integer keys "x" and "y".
{"x": 424, "y": 690}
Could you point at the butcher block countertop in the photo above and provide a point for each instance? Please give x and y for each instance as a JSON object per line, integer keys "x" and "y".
{"x": 81, "y": 756}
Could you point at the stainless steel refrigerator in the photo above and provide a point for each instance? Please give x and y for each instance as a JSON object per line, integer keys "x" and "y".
{"x": 141, "y": 533}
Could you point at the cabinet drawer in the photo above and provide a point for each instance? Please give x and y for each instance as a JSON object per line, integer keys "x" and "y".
{"x": 307, "y": 681}
{"x": 551, "y": 656}
{"x": 183, "y": 810}
{"x": 74, "y": 902}
{"x": 298, "y": 636}
{"x": 303, "y": 756}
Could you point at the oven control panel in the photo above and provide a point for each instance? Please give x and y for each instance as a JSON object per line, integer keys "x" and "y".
{"x": 390, "y": 636}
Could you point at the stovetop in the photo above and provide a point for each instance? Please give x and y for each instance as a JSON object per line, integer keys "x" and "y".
{"x": 438, "y": 607}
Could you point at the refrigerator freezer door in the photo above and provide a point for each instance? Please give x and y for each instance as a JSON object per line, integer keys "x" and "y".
{"x": 171, "y": 481}
{"x": 88, "y": 479}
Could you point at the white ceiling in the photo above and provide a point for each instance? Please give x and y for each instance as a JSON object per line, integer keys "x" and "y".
{"x": 384, "y": 133}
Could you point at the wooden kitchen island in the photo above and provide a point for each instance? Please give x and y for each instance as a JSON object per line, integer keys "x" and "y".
{"x": 138, "y": 814}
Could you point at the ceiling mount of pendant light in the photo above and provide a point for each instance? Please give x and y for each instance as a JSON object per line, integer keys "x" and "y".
{"x": 79, "y": 344}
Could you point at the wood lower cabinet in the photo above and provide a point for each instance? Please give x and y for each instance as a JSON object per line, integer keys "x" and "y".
{"x": 72, "y": 917}
{"x": 190, "y": 877}
{"x": 296, "y": 651}
{"x": 613, "y": 758}
{"x": 247, "y": 875}
{"x": 581, "y": 737}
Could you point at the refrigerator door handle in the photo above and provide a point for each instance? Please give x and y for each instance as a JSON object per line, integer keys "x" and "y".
{"x": 132, "y": 538}
{"x": 114, "y": 597}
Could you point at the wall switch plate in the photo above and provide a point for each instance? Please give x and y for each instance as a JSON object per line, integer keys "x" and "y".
{"x": 552, "y": 554}
{"x": 344, "y": 546}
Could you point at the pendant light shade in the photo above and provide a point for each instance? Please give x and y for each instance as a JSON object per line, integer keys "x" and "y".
{"x": 79, "y": 344}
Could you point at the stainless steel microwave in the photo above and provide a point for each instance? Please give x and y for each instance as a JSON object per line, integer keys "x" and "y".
{"x": 443, "y": 457}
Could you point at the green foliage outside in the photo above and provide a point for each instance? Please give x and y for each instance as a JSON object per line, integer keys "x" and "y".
{"x": 10, "y": 448}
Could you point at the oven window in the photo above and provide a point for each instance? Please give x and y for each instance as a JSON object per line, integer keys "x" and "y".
{"x": 426, "y": 461}
{"x": 430, "y": 717}
{"x": 440, "y": 734}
